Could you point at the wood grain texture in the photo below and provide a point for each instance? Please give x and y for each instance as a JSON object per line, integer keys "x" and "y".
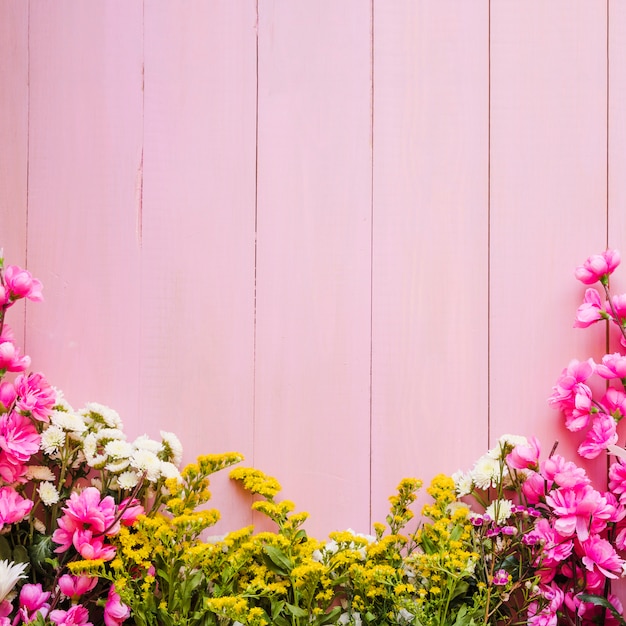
{"x": 14, "y": 142}
{"x": 548, "y": 202}
{"x": 430, "y": 281}
{"x": 313, "y": 257}
{"x": 85, "y": 153}
{"x": 198, "y": 230}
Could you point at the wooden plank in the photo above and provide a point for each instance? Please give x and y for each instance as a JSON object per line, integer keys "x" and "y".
{"x": 429, "y": 370}
{"x": 197, "y": 322}
{"x": 85, "y": 157}
{"x": 14, "y": 142}
{"x": 548, "y": 202}
{"x": 313, "y": 257}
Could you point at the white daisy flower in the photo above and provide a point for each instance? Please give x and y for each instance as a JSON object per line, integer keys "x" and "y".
{"x": 61, "y": 402}
{"x": 39, "y": 472}
{"x": 148, "y": 462}
{"x": 48, "y": 493}
{"x": 145, "y": 443}
{"x": 10, "y": 573}
{"x": 68, "y": 421}
{"x": 500, "y": 510}
{"x": 169, "y": 470}
{"x": 52, "y": 439}
{"x": 172, "y": 446}
{"x": 117, "y": 466}
{"x": 128, "y": 480}
{"x": 118, "y": 449}
{"x": 486, "y": 472}
{"x": 463, "y": 483}
{"x": 109, "y": 434}
{"x": 99, "y": 413}
{"x": 90, "y": 445}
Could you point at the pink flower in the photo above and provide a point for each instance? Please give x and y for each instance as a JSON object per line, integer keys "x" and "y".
{"x": 599, "y": 555}
{"x": 7, "y": 396}
{"x": 86, "y": 518}
{"x": 75, "y": 586}
{"x": 577, "y": 415}
{"x": 90, "y": 547}
{"x": 18, "y": 436}
{"x": 617, "y": 478}
{"x": 612, "y": 366}
{"x": 603, "y": 433}
{"x": 10, "y": 359}
{"x": 525, "y": 456}
{"x": 554, "y": 548}
{"x": 619, "y": 304}
{"x": 131, "y": 510}
{"x": 564, "y": 473}
{"x": 501, "y": 577}
{"x": 33, "y": 599}
{"x": 575, "y": 373}
{"x": 541, "y": 614}
{"x": 13, "y": 507}
{"x": 21, "y": 284}
{"x": 581, "y": 511}
{"x": 115, "y": 611}
{"x": 36, "y": 397}
{"x": 598, "y": 267}
{"x": 614, "y": 402}
{"x": 11, "y": 470}
{"x": 77, "y": 615}
{"x": 534, "y": 488}
{"x": 590, "y": 311}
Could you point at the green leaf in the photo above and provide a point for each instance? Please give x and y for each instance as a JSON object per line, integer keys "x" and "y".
{"x": 277, "y": 561}
{"x": 296, "y": 611}
{"x": 41, "y": 551}
{"x": 20, "y": 555}
{"x": 280, "y": 620}
{"x": 277, "y": 607}
{"x": 604, "y": 603}
{"x": 328, "y": 618}
{"x": 5, "y": 549}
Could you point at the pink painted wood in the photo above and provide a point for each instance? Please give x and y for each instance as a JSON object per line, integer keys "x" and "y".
{"x": 313, "y": 257}
{"x": 14, "y": 142}
{"x": 548, "y": 203}
{"x": 430, "y": 241}
{"x": 340, "y": 239}
{"x": 85, "y": 122}
{"x": 198, "y": 231}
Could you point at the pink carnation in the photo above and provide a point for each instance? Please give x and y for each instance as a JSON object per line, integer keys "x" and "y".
{"x": 115, "y": 611}
{"x": 575, "y": 373}
{"x": 590, "y": 311}
{"x": 556, "y": 469}
{"x": 599, "y": 555}
{"x": 36, "y": 397}
{"x": 600, "y": 436}
{"x": 21, "y": 284}
{"x": 597, "y": 267}
{"x": 13, "y": 507}
{"x": 18, "y": 436}
{"x": 612, "y": 366}
{"x": 77, "y": 615}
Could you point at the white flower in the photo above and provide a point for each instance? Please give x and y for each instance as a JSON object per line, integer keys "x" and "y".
{"x": 90, "y": 445}
{"x": 513, "y": 440}
{"x": 169, "y": 470}
{"x": 10, "y": 573}
{"x": 463, "y": 483}
{"x": 145, "y": 443}
{"x": 39, "y": 472}
{"x": 128, "y": 480}
{"x": 500, "y": 510}
{"x": 52, "y": 439}
{"x": 486, "y": 472}
{"x": 108, "y": 434}
{"x": 68, "y": 421}
{"x": 148, "y": 462}
{"x": 48, "y": 493}
{"x": 60, "y": 401}
{"x": 117, "y": 466}
{"x": 172, "y": 447}
{"x": 98, "y": 413}
{"x": 118, "y": 449}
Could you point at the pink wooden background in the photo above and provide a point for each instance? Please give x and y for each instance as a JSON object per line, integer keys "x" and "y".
{"x": 338, "y": 237}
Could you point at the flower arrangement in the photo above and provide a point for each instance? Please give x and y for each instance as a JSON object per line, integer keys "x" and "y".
{"x": 97, "y": 529}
